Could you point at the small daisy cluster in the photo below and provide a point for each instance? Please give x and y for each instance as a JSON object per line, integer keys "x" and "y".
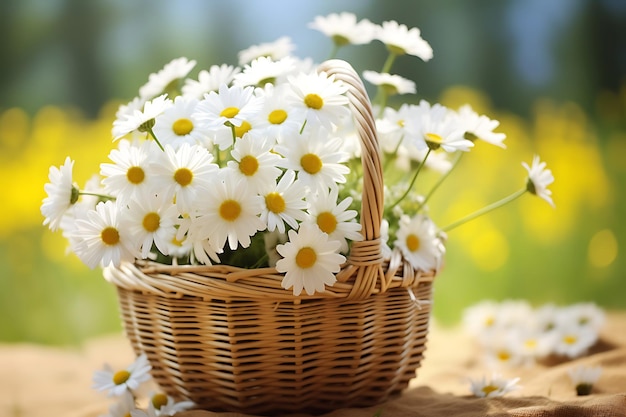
{"x": 513, "y": 333}
{"x": 124, "y": 385}
{"x": 258, "y": 165}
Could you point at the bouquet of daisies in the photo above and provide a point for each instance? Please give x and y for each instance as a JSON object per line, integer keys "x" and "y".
{"x": 259, "y": 165}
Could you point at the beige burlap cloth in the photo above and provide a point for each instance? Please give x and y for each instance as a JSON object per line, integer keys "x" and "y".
{"x": 45, "y": 381}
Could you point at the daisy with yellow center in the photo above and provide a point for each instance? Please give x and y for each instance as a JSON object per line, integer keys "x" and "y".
{"x": 317, "y": 159}
{"x": 98, "y": 239}
{"x": 275, "y": 118}
{"x": 151, "y": 219}
{"x": 131, "y": 170}
{"x": 344, "y": 29}
{"x": 309, "y": 260}
{"x": 119, "y": 382}
{"x": 178, "y": 125}
{"x": 334, "y": 218}
{"x": 139, "y": 116}
{"x": 226, "y": 110}
{"x": 418, "y": 241}
{"x": 495, "y": 386}
{"x": 318, "y": 99}
{"x": 283, "y": 203}
{"x": 254, "y": 162}
{"x": 184, "y": 174}
{"x": 229, "y": 212}
{"x": 574, "y": 341}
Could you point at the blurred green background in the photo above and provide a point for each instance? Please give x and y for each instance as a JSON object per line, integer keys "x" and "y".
{"x": 552, "y": 71}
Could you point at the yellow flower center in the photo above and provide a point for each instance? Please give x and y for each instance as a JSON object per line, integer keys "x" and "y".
{"x": 230, "y": 210}
{"x": 313, "y": 101}
{"x": 229, "y": 112}
{"x": 327, "y": 222}
{"x": 120, "y": 377}
{"x": 504, "y": 355}
{"x": 570, "y": 339}
{"x": 248, "y": 165}
{"x": 400, "y": 123}
{"x": 182, "y": 127}
{"x": 159, "y": 400}
{"x": 275, "y": 202}
{"x": 306, "y": 257}
{"x": 311, "y": 163}
{"x": 243, "y": 129}
{"x": 135, "y": 175}
{"x": 530, "y": 344}
{"x": 433, "y": 138}
{"x": 488, "y": 389}
{"x": 412, "y": 242}
{"x": 151, "y": 221}
{"x": 183, "y": 176}
{"x": 276, "y": 117}
{"x": 110, "y": 236}
{"x": 489, "y": 321}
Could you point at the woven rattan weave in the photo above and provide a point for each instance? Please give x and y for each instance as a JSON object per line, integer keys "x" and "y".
{"x": 233, "y": 339}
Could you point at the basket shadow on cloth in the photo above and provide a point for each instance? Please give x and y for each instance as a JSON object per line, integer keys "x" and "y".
{"x": 232, "y": 339}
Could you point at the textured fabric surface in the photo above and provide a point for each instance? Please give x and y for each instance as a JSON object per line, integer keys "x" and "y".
{"x": 38, "y": 381}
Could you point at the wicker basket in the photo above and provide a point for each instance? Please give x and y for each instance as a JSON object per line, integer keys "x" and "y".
{"x": 232, "y": 339}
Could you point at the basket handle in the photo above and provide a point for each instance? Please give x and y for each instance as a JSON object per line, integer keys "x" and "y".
{"x": 365, "y": 259}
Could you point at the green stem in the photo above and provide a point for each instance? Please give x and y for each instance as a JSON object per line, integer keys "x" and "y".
{"x": 101, "y": 196}
{"x": 388, "y": 63}
{"x": 335, "y": 50}
{"x": 485, "y": 210}
{"x": 417, "y": 171}
{"x": 155, "y": 138}
{"x": 441, "y": 180}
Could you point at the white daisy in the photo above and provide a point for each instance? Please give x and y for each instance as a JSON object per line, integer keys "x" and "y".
{"x": 482, "y": 319}
{"x": 335, "y": 219}
{"x": 283, "y": 203}
{"x": 402, "y": 41}
{"x": 62, "y": 194}
{"x": 184, "y": 174}
{"x": 254, "y": 162}
{"x": 275, "y": 119}
{"x": 587, "y": 315}
{"x": 496, "y": 386}
{"x": 309, "y": 261}
{"x": 264, "y": 70}
{"x": 178, "y": 125}
{"x": 584, "y": 377}
{"x": 317, "y": 160}
{"x": 276, "y": 50}
{"x": 392, "y": 84}
{"x": 343, "y": 28}
{"x": 166, "y": 79}
{"x": 166, "y": 406}
{"x": 479, "y": 126}
{"x": 318, "y": 98}
{"x": 99, "y": 238}
{"x": 130, "y": 171}
{"x": 228, "y": 109}
{"x": 574, "y": 341}
{"x": 151, "y": 219}
{"x": 436, "y": 129}
{"x": 418, "y": 241}
{"x": 230, "y": 212}
{"x": 539, "y": 177}
{"x": 123, "y": 380}
{"x": 210, "y": 80}
{"x": 140, "y": 120}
